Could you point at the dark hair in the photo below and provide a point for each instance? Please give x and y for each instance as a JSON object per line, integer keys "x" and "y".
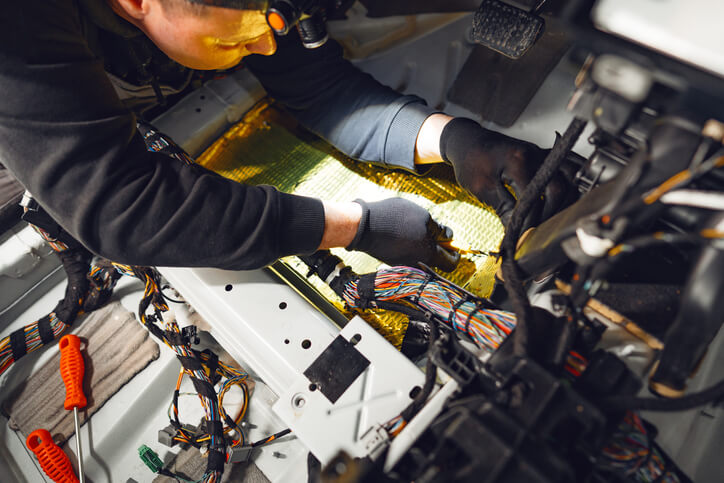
{"x": 185, "y": 5}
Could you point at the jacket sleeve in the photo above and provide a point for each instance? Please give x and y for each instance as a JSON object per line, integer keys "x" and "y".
{"x": 328, "y": 95}
{"x": 69, "y": 141}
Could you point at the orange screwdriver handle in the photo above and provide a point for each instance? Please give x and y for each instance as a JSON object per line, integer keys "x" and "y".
{"x": 72, "y": 370}
{"x": 53, "y": 460}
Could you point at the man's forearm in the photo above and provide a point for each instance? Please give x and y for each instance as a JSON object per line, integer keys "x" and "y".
{"x": 341, "y": 221}
{"x": 427, "y": 145}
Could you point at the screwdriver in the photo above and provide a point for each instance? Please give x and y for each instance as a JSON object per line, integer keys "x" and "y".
{"x": 465, "y": 249}
{"x": 72, "y": 370}
{"x": 53, "y": 460}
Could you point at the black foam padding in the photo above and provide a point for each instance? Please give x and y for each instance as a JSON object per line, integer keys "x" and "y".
{"x": 506, "y": 29}
{"x": 336, "y": 368}
{"x": 500, "y": 88}
{"x": 386, "y": 8}
{"x": 652, "y": 306}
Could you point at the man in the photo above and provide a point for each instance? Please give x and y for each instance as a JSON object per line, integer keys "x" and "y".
{"x": 67, "y": 137}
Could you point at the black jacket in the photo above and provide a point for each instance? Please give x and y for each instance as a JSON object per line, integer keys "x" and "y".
{"x": 69, "y": 140}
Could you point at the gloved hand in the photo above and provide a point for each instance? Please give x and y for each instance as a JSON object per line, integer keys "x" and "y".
{"x": 399, "y": 232}
{"x": 485, "y": 161}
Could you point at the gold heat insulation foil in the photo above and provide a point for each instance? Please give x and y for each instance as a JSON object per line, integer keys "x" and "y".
{"x": 267, "y": 147}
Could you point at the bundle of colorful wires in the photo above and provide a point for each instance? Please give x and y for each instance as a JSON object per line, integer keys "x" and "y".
{"x": 32, "y": 340}
{"x": 153, "y": 297}
{"x": 633, "y": 453}
{"x": 234, "y": 378}
{"x": 447, "y": 302}
{"x": 210, "y": 405}
{"x": 100, "y": 288}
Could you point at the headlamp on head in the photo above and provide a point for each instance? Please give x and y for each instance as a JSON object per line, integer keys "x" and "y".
{"x": 307, "y": 15}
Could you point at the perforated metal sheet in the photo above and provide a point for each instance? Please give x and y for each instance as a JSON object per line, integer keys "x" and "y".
{"x": 267, "y": 147}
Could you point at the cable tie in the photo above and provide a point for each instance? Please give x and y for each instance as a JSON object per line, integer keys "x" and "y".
{"x": 475, "y": 310}
{"x": 454, "y": 310}
{"x": 428, "y": 279}
{"x": 335, "y": 273}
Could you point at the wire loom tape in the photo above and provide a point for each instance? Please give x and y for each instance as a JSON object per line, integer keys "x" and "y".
{"x": 17, "y": 343}
{"x": 204, "y": 388}
{"x": 366, "y": 289}
{"x": 190, "y": 363}
{"x": 46, "y": 333}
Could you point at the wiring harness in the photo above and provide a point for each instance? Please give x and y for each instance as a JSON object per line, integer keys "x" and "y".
{"x": 233, "y": 377}
{"x": 191, "y": 361}
{"x": 429, "y": 293}
{"x": 633, "y": 453}
{"x": 89, "y": 287}
{"x": 424, "y": 295}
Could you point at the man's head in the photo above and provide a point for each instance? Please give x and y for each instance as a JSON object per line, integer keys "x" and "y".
{"x": 199, "y": 36}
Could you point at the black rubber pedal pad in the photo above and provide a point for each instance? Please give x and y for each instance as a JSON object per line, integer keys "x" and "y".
{"x": 506, "y": 29}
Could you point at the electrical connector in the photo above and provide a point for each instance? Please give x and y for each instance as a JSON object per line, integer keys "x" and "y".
{"x": 190, "y": 334}
{"x": 375, "y": 441}
{"x": 150, "y": 458}
{"x": 238, "y": 455}
{"x": 165, "y": 436}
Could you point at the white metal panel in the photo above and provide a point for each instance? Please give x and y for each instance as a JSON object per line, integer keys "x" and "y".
{"x": 689, "y": 30}
{"x": 379, "y": 394}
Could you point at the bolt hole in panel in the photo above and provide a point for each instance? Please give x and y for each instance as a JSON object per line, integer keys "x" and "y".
{"x": 298, "y": 401}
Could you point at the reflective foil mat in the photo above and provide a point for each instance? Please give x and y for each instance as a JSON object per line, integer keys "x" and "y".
{"x": 267, "y": 147}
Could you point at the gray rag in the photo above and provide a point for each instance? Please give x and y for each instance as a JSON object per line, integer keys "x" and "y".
{"x": 115, "y": 347}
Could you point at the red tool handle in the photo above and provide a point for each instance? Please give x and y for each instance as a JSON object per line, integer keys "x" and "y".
{"x": 52, "y": 459}
{"x": 72, "y": 370}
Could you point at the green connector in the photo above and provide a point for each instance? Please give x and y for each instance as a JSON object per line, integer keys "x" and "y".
{"x": 151, "y": 459}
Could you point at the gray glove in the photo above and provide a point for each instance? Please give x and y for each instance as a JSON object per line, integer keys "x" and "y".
{"x": 399, "y": 232}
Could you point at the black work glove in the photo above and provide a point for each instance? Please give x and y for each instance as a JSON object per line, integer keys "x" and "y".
{"x": 486, "y": 161}
{"x": 399, "y": 232}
